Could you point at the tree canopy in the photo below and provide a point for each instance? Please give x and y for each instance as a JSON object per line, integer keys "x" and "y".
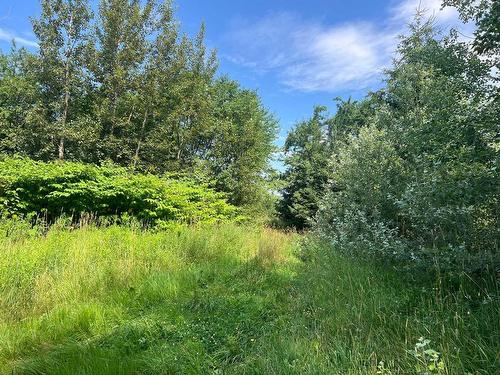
{"x": 411, "y": 171}
{"x": 125, "y": 85}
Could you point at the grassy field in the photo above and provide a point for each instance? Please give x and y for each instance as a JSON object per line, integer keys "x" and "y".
{"x": 228, "y": 300}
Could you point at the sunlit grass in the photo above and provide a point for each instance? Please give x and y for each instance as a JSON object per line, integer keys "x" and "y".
{"x": 349, "y": 317}
{"x": 225, "y": 299}
{"x": 116, "y": 300}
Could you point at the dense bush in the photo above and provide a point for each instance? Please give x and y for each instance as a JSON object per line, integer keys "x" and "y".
{"x": 362, "y": 216}
{"x": 50, "y": 190}
{"x": 418, "y": 181}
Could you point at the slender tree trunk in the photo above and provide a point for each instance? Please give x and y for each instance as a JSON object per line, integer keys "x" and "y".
{"x": 66, "y": 89}
{"x": 115, "y": 87}
{"x": 61, "y": 148}
{"x": 180, "y": 141}
{"x": 178, "y": 136}
{"x": 65, "y": 114}
{"x": 113, "y": 116}
{"x": 141, "y": 135}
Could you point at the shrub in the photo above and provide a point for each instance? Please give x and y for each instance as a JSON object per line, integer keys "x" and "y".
{"x": 360, "y": 218}
{"x": 389, "y": 209}
{"x": 30, "y": 188}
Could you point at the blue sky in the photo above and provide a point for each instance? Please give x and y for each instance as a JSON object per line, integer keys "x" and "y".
{"x": 296, "y": 53}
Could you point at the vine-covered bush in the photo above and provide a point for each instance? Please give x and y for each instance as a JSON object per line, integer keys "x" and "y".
{"x": 29, "y": 188}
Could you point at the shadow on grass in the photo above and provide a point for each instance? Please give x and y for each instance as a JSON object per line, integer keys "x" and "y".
{"x": 216, "y": 316}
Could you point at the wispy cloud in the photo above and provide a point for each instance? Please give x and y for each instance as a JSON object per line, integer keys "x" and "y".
{"x": 312, "y": 56}
{"x": 346, "y": 56}
{"x": 445, "y": 18}
{"x": 405, "y": 11}
{"x": 9, "y": 36}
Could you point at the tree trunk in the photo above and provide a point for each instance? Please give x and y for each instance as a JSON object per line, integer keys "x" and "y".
{"x": 64, "y": 118}
{"x": 69, "y": 51}
{"x": 141, "y": 135}
{"x": 61, "y": 148}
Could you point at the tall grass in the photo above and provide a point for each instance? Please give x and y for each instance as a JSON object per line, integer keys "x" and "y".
{"x": 349, "y": 317}
{"x": 224, "y": 299}
{"x": 119, "y": 300}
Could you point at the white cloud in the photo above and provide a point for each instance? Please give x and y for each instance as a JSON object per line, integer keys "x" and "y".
{"x": 445, "y": 18}
{"x": 346, "y": 56}
{"x": 311, "y": 56}
{"x": 9, "y": 37}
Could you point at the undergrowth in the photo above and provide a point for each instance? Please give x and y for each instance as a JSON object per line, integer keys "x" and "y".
{"x": 53, "y": 190}
{"x": 228, "y": 299}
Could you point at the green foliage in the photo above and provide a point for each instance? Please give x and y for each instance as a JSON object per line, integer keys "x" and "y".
{"x": 415, "y": 177}
{"x": 49, "y": 190}
{"x": 369, "y": 173}
{"x": 242, "y": 143}
{"x": 486, "y": 15}
{"x": 306, "y": 177}
{"x": 125, "y": 85}
{"x": 62, "y": 33}
{"x": 311, "y": 151}
{"x": 22, "y": 119}
{"x": 429, "y": 361}
{"x": 361, "y": 216}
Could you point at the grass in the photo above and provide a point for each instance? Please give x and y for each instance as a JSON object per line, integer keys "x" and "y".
{"x": 226, "y": 300}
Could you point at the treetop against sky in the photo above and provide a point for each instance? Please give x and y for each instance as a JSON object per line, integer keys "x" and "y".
{"x": 296, "y": 54}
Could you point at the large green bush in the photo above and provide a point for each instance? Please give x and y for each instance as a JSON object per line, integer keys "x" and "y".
{"x": 362, "y": 217}
{"x": 50, "y": 190}
{"x": 418, "y": 182}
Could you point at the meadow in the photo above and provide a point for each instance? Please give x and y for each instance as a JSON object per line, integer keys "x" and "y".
{"x": 160, "y": 217}
{"x": 228, "y": 299}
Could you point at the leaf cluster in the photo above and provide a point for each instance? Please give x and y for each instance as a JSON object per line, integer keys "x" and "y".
{"x": 31, "y": 188}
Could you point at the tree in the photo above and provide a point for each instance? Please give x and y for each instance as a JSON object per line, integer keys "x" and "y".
{"x": 156, "y": 79}
{"x": 349, "y": 118}
{"x": 119, "y": 51}
{"x": 307, "y": 162}
{"x": 192, "y": 121}
{"x": 22, "y": 117}
{"x": 359, "y": 210}
{"x": 419, "y": 179}
{"x": 443, "y": 123}
{"x": 241, "y": 143}
{"x": 61, "y": 32}
{"x": 127, "y": 87}
{"x": 486, "y": 15}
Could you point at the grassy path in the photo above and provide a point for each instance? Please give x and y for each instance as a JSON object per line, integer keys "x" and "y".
{"x": 225, "y": 300}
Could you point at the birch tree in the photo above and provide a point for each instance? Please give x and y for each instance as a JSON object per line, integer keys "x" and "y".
{"x": 61, "y": 30}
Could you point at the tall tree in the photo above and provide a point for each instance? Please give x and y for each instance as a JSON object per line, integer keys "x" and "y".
{"x": 155, "y": 78}
{"x": 307, "y": 161}
{"x": 119, "y": 53}
{"x": 61, "y": 30}
{"x": 193, "y": 122}
{"x": 23, "y": 123}
{"x": 241, "y": 142}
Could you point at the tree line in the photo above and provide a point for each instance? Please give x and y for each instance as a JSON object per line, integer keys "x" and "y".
{"x": 411, "y": 172}
{"x": 123, "y": 84}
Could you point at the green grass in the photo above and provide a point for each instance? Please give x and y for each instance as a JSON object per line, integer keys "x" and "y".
{"x": 225, "y": 300}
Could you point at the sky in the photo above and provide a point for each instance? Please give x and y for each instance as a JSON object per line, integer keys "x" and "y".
{"x": 295, "y": 53}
